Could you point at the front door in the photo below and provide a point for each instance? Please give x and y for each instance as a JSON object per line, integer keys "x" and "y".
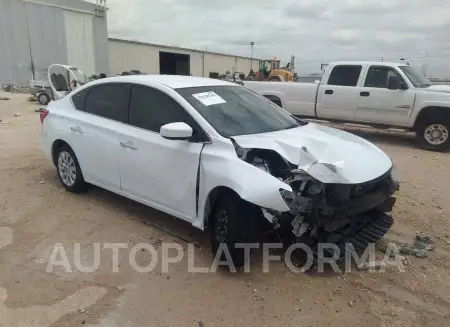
{"x": 377, "y": 103}
{"x": 158, "y": 171}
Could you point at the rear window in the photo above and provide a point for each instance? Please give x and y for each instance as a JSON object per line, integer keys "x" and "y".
{"x": 345, "y": 75}
{"x": 109, "y": 101}
{"x": 79, "y": 99}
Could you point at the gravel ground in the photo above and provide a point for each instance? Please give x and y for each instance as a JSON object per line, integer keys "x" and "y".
{"x": 36, "y": 213}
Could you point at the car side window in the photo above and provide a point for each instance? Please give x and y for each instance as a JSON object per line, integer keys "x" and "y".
{"x": 347, "y": 75}
{"x": 79, "y": 99}
{"x": 109, "y": 101}
{"x": 379, "y": 77}
{"x": 151, "y": 108}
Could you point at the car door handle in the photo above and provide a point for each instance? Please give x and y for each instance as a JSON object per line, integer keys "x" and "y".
{"x": 329, "y": 91}
{"x": 364, "y": 94}
{"x": 129, "y": 145}
{"x": 76, "y": 129}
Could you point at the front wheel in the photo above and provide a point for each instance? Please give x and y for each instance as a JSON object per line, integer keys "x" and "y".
{"x": 232, "y": 224}
{"x": 434, "y": 135}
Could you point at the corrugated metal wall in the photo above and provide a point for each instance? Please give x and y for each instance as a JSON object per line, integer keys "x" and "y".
{"x": 79, "y": 30}
{"x": 45, "y": 32}
{"x": 101, "y": 48}
{"x": 15, "y": 57}
{"x": 127, "y": 55}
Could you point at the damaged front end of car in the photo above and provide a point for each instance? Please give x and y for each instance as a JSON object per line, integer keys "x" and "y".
{"x": 335, "y": 211}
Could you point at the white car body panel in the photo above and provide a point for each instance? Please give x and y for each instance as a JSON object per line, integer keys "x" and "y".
{"x": 295, "y": 99}
{"x": 220, "y": 166}
{"x": 330, "y": 147}
{"x": 177, "y": 176}
{"x": 383, "y": 106}
{"x": 160, "y": 171}
{"x": 439, "y": 88}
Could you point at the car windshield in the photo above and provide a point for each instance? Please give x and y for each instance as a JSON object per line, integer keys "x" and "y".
{"x": 415, "y": 76}
{"x": 235, "y": 110}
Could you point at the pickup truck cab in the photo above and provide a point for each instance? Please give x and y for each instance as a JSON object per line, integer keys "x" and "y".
{"x": 372, "y": 93}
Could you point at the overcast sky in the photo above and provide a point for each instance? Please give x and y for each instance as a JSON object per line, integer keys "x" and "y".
{"x": 314, "y": 31}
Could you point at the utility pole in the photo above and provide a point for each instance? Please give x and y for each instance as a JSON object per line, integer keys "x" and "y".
{"x": 425, "y": 67}
{"x": 251, "y": 55}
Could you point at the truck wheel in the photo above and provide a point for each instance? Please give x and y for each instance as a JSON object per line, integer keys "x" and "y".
{"x": 43, "y": 99}
{"x": 434, "y": 134}
{"x": 231, "y": 224}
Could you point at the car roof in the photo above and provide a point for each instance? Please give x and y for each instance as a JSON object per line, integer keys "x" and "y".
{"x": 369, "y": 63}
{"x": 172, "y": 81}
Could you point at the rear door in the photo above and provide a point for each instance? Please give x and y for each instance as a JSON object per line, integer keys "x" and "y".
{"x": 155, "y": 170}
{"x": 378, "y": 104}
{"x": 337, "y": 97}
{"x": 96, "y": 131}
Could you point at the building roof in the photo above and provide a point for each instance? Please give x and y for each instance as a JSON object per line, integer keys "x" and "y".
{"x": 180, "y": 48}
{"x": 73, "y": 5}
{"x": 172, "y": 81}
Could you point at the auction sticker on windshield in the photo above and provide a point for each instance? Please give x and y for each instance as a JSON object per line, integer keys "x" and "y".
{"x": 208, "y": 98}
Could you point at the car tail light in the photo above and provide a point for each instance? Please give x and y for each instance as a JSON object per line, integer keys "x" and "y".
{"x": 43, "y": 113}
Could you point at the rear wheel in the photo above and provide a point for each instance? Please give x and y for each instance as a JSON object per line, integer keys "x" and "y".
{"x": 69, "y": 170}
{"x": 232, "y": 224}
{"x": 434, "y": 134}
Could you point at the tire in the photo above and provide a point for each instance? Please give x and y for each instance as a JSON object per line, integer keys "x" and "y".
{"x": 69, "y": 171}
{"x": 434, "y": 134}
{"x": 232, "y": 224}
{"x": 43, "y": 99}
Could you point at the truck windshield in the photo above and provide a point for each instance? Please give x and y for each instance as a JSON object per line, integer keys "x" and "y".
{"x": 235, "y": 110}
{"x": 415, "y": 76}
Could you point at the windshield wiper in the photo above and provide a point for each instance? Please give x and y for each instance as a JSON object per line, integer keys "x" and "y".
{"x": 293, "y": 126}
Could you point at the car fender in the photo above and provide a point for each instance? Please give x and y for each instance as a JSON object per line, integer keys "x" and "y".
{"x": 222, "y": 168}
{"x": 58, "y": 130}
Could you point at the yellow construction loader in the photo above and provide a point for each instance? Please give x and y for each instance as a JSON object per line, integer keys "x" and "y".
{"x": 270, "y": 70}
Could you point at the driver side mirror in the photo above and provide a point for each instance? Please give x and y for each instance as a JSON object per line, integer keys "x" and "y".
{"x": 396, "y": 83}
{"x": 176, "y": 131}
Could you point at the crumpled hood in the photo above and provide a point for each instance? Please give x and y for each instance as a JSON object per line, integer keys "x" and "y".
{"x": 327, "y": 154}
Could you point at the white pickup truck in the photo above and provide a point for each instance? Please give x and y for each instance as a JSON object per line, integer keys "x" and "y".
{"x": 378, "y": 94}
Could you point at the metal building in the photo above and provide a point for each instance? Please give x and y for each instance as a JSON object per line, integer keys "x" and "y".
{"x": 37, "y": 33}
{"x": 150, "y": 58}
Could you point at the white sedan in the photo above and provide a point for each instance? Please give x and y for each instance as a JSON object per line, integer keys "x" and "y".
{"x": 218, "y": 155}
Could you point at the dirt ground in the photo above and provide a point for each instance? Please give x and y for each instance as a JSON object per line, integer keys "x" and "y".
{"x": 36, "y": 213}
